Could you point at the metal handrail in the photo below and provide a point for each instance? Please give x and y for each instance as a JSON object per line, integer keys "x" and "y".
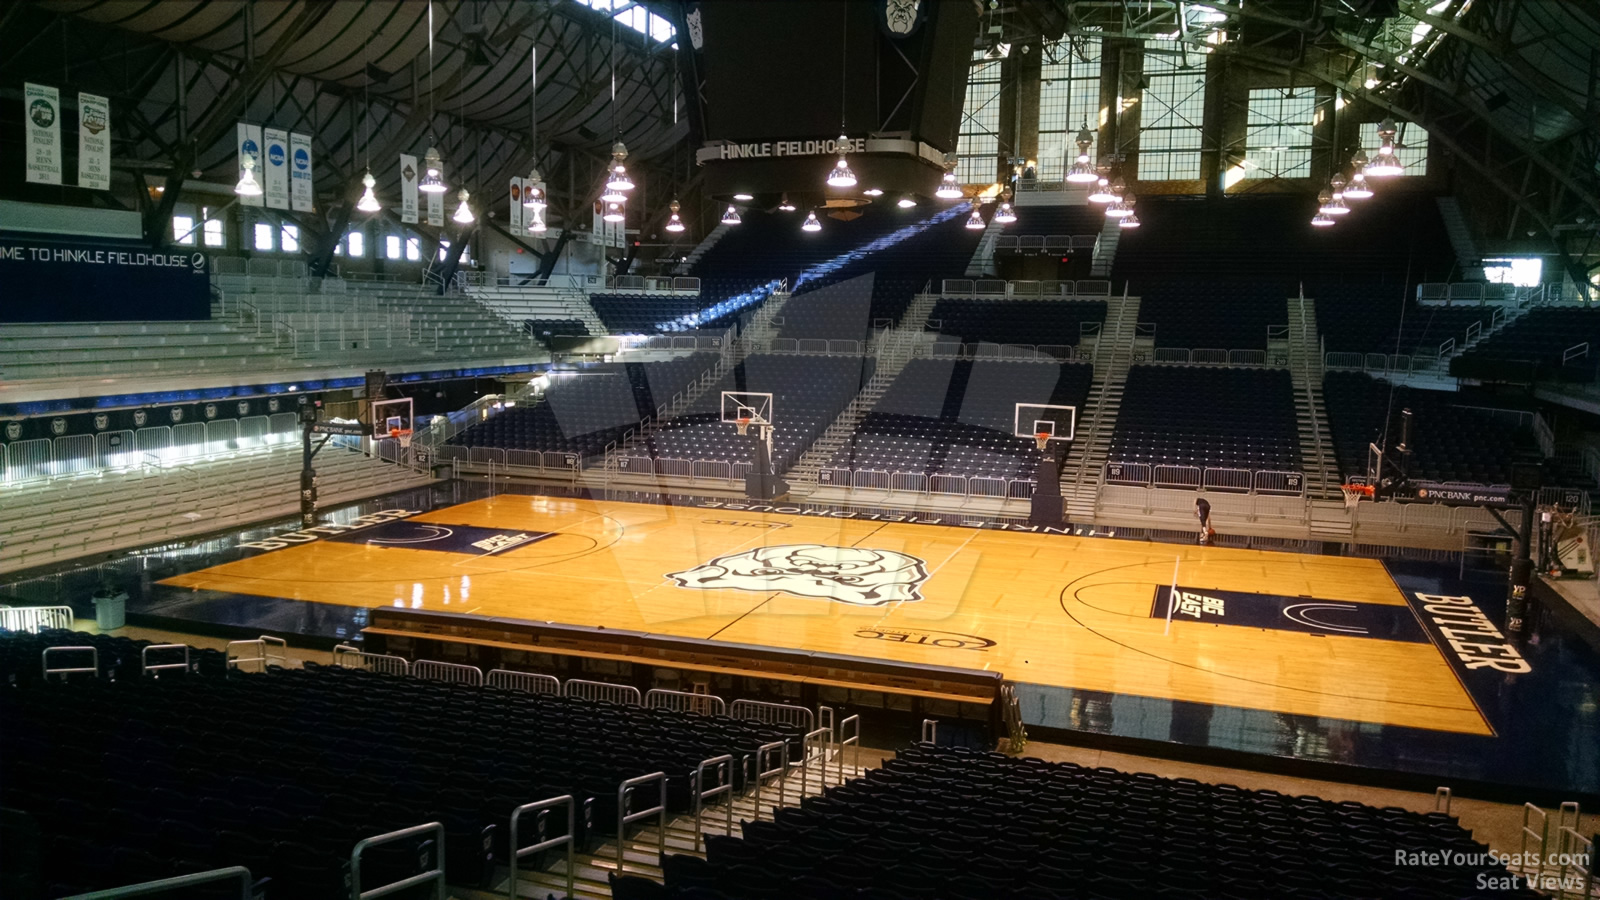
{"x": 44, "y": 661}
{"x": 451, "y": 673}
{"x": 701, "y": 793}
{"x": 518, "y": 851}
{"x": 246, "y": 883}
{"x": 806, "y": 745}
{"x": 262, "y": 655}
{"x": 624, "y": 819}
{"x": 685, "y": 701}
{"x": 531, "y": 682}
{"x": 435, "y": 875}
{"x": 35, "y": 618}
{"x": 371, "y": 662}
{"x": 144, "y": 659}
{"x": 930, "y": 731}
{"x": 761, "y": 775}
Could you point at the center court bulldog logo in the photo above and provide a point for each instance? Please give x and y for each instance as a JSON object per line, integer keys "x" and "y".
{"x": 859, "y": 576}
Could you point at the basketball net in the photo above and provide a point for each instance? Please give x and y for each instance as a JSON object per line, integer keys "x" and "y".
{"x": 1354, "y": 492}
{"x": 743, "y": 424}
{"x": 403, "y": 435}
{"x": 1040, "y": 438}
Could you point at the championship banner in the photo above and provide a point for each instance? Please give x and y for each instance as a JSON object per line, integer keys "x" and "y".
{"x": 408, "y": 189}
{"x": 41, "y": 110}
{"x": 436, "y": 205}
{"x": 94, "y": 142}
{"x": 516, "y": 207}
{"x": 300, "y": 190}
{"x": 249, "y": 141}
{"x": 276, "y": 182}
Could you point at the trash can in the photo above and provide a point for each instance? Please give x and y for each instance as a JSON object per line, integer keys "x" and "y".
{"x": 110, "y": 609}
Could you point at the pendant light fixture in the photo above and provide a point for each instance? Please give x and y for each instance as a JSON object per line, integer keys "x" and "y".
{"x": 1322, "y": 220}
{"x": 1102, "y": 191}
{"x": 1082, "y": 171}
{"x": 248, "y": 186}
{"x": 1384, "y": 162}
{"x": 731, "y": 217}
{"x": 1336, "y": 188}
{"x": 432, "y": 180}
{"x": 841, "y": 176}
{"x": 618, "y": 184}
{"x": 369, "y": 200}
{"x": 1004, "y": 214}
{"x": 1358, "y": 189}
{"x": 872, "y": 192}
{"x": 812, "y": 223}
{"x": 784, "y": 205}
{"x": 949, "y": 187}
{"x": 463, "y": 212}
{"x": 674, "y": 223}
{"x": 1131, "y": 220}
{"x": 975, "y": 221}
{"x": 615, "y": 211}
{"x": 906, "y": 203}
{"x": 533, "y": 186}
{"x": 1120, "y": 208}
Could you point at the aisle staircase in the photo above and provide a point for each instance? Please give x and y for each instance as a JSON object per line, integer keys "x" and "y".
{"x": 982, "y": 263}
{"x": 893, "y": 349}
{"x": 1084, "y": 471}
{"x": 1468, "y": 260}
{"x": 1105, "y": 249}
{"x": 513, "y": 305}
{"x": 1326, "y": 514}
{"x": 701, "y": 249}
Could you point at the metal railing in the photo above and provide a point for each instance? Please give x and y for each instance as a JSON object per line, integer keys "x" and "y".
{"x": 624, "y": 694}
{"x": 69, "y": 456}
{"x": 722, "y": 766}
{"x": 1025, "y": 290}
{"x": 930, "y": 731}
{"x": 35, "y": 618}
{"x": 685, "y": 701}
{"x": 1215, "y": 357}
{"x": 773, "y": 714}
{"x": 93, "y": 668}
{"x": 779, "y": 771}
{"x": 348, "y": 657}
{"x": 434, "y": 874}
{"x": 262, "y": 653}
{"x": 245, "y": 880}
{"x": 516, "y": 851}
{"x": 625, "y": 818}
{"x": 450, "y": 673}
{"x": 145, "y": 667}
{"x": 527, "y": 682}
{"x": 955, "y": 349}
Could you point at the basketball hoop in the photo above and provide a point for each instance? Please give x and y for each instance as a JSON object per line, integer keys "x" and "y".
{"x": 1040, "y": 438}
{"x": 403, "y": 435}
{"x": 1354, "y": 492}
{"x": 743, "y": 424}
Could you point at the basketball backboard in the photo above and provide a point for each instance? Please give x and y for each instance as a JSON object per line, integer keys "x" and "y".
{"x": 392, "y": 419}
{"x": 1034, "y": 419}
{"x": 1374, "y": 465}
{"x": 746, "y": 408}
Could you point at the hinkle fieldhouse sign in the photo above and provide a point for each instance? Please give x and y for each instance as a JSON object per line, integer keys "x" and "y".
{"x": 50, "y": 281}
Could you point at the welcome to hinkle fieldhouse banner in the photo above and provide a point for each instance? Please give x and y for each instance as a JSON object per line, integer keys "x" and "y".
{"x": 80, "y": 281}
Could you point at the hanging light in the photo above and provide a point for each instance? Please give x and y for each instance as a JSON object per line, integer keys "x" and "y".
{"x": 619, "y": 181}
{"x": 248, "y": 186}
{"x": 533, "y": 190}
{"x": 785, "y": 205}
{"x": 1120, "y": 208}
{"x": 742, "y": 196}
{"x": 873, "y": 192}
{"x": 537, "y": 226}
{"x": 1102, "y": 191}
{"x": 369, "y": 200}
{"x": 731, "y": 217}
{"x": 975, "y": 221}
{"x": 1129, "y": 221}
{"x": 1082, "y": 172}
{"x": 463, "y": 212}
{"x": 674, "y": 223}
{"x": 1004, "y": 214}
{"x": 432, "y": 180}
{"x": 1385, "y": 163}
{"x": 1327, "y": 203}
{"x": 811, "y": 223}
{"x": 1337, "y": 207}
{"x": 907, "y": 203}
{"x": 615, "y": 212}
{"x": 1322, "y": 220}
{"x": 841, "y": 176}
{"x": 1358, "y": 189}
{"x": 949, "y": 188}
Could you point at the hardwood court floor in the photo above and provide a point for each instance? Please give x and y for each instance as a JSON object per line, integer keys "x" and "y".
{"x": 1064, "y": 611}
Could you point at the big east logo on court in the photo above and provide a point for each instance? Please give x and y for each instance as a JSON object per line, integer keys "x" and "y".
{"x": 856, "y": 575}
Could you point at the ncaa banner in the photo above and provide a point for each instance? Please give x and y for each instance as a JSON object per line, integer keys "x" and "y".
{"x": 436, "y": 205}
{"x": 276, "y": 182}
{"x": 249, "y": 141}
{"x": 41, "y": 111}
{"x": 300, "y": 190}
{"x": 408, "y": 189}
{"x": 516, "y": 207}
{"x": 94, "y": 142}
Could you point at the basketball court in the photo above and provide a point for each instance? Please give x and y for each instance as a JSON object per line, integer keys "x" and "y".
{"x": 1317, "y": 636}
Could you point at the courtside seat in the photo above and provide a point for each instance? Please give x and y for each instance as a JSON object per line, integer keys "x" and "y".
{"x": 1208, "y": 418}
{"x": 1451, "y": 439}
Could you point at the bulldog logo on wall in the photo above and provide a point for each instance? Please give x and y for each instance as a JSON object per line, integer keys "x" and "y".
{"x": 860, "y": 576}
{"x": 101, "y": 421}
{"x": 13, "y": 431}
{"x": 140, "y": 417}
{"x": 899, "y": 18}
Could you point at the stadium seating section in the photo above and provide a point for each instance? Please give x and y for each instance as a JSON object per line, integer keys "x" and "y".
{"x": 1449, "y": 441}
{"x": 956, "y": 417}
{"x": 643, "y": 313}
{"x": 283, "y": 772}
{"x": 808, "y": 394}
{"x": 948, "y": 824}
{"x": 581, "y": 413}
{"x": 1212, "y": 314}
{"x": 1046, "y": 220}
{"x": 768, "y": 246}
{"x": 544, "y": 329}
{"x": 1014, "y": 322}
{"x": 1533, "y": 347}
{"x": 1208, "y": 417}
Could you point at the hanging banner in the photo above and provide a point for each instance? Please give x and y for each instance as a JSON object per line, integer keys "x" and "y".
{"x": 94, "y": 142}
{"x": 300, "y": 192}
{"x": 249, "y": 140}
{"x": 277, "y": 168}
{"x": 516, "y": 207}
{"x": 41, "y": 108}
{"x": 408, "y": 189}
{"x": 436, "y": 205}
